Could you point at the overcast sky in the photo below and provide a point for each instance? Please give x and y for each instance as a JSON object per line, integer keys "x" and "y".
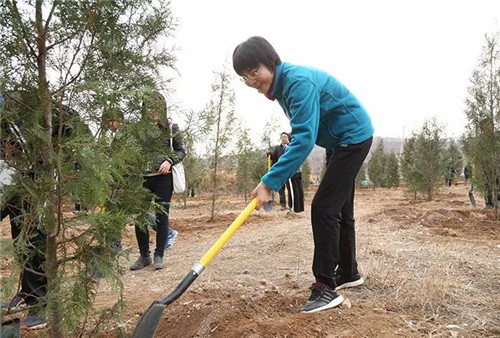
{"x": 406, "y": 61}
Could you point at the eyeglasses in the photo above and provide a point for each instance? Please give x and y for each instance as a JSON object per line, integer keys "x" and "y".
{"x": 251, "y": 75}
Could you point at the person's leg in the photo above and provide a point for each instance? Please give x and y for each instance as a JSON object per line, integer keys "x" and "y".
{"x": 291, "y": 193}
{"x": 347, "y": 274}
{"x": 142, "y": 236}
{"x": 298, "y": 192}
{"x": 333, "y": 192}
{"x": 162, "y": 187}
{"x": 33, "y": 281}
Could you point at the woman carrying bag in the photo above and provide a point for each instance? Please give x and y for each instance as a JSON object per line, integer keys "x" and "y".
{"x": 165, "y": 149}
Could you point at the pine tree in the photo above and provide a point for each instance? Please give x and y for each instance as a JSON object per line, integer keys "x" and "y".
{"x": 361, "y": 176}
{"x": 194, "y": 166}
{"x": 408, "y": 168}
{"x": 482, "y": 139}
{"x": 250, "y": 165}
{"x": 453, "y": 161}
{"x": 376, "y": 165}
{"x": 97, "y": 57}
{"x": 218, "y": 124}
{"x": 391, "y": 170}
{"x": 306, "y": 175}
{"x": 427, "y": 158}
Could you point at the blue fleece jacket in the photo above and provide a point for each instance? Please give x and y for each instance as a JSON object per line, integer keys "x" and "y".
{"x": 321, "y": 111}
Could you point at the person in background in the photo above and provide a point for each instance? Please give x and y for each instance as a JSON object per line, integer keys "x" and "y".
{"x": 321, "y": 111}
{"x": 275, "y": 155}
{"x": 450, "y": 175}
{"x": 16, "y": 151}
{"x": 295, "y": 190}
{"x": 158, "y": 175}
{"x": 467, "y": 172}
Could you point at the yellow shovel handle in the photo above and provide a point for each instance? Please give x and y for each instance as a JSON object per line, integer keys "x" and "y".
{"x": 205, "y": 260}
{"x": 268, "y": 162}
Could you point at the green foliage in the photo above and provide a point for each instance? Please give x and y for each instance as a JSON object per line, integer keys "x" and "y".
{"x": 306, "y": 175}
{"x": 269, "y": 132}
{"x": 481, "y": 141}
{"x": 422, "y": 159}
{"x": 251, "y": 165}
{"x": 100, "y": 58}
{"x": 361, "y": 176}
{"x": 391, "y": 170}
{"x": 382, "y": 168}
{"x": 218, "y": 127}
{"x": 453, "y": 161}
{"x": 194, "y": 166}
{"x": 376, "y": 165}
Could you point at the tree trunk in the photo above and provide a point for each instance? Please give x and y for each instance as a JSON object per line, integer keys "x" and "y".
{"x": 53, "y": 308}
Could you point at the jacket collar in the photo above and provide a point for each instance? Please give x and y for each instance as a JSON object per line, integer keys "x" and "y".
{"x": 277, "y": 90}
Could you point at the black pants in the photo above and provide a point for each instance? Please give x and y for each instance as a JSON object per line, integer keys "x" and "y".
{"x": 295, "y": 193}
{"x": 33, "y": 281}
{"x": 332, "y": 214}
{"x": 162, "y": 186}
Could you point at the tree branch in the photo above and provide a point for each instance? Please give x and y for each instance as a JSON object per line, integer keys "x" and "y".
{"x": 21, "y": 25}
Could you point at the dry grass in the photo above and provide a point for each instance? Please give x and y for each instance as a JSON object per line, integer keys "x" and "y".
{"x": 439, "y": 285}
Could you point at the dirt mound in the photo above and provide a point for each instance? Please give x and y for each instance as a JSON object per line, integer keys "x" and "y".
{"x": 431, "y": 268}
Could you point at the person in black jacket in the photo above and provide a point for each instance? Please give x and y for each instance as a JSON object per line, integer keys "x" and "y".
{"x": 158, "y": 175}
{"x": 275, "y": 155}
{"x": 19, "y": 159}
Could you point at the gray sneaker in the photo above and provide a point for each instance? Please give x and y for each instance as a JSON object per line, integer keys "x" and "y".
{"x": 158, "y": 262}
{"x": 322, "y": 298}
{"x": 141, "y": 263}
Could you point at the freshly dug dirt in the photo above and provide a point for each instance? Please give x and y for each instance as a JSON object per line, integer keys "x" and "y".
{"x": 432, "y": 268}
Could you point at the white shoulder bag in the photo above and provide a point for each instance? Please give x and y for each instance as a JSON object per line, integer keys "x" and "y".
{"x": 178, "y": 175}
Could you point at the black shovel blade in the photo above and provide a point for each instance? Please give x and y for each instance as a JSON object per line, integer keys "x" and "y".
{"x": 149, "y": 321}
{"x": 472, "y": 199}
{"x": 146, "y": 327}
{"x": 268, "y": 206}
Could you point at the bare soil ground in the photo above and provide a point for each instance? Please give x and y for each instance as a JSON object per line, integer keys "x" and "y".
{"x": 431, "y": 269}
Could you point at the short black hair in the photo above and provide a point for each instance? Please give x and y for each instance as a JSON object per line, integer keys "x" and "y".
{"x": 254, "y": 51}
{"x": 288, "y": 135}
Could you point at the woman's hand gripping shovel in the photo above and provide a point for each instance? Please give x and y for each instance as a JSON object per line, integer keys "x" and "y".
{"x": 146, "y": 327}
{"x": 269, "y": 205}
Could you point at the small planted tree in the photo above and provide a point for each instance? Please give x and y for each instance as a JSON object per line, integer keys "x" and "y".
{"x": 453, "y": 161}
{"x": 482, "y": 139}
{"x": 194, "y": 166}
{"x": 391, "y": 170}
{"x": 218, "y": 125}
{"x": 422, "y": 162}
{"x": 250, "y": 165}
{"x": 306, "y": 175}
{"x": 361, "y": 176}
{"x": 376, "y": 165}
{"x": 88, "y": 57}
{"x": 408, "y": 169}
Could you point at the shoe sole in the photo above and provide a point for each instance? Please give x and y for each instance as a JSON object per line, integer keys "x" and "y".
{"x": 334, "y": 303}
{"x": 352, "y": 284}
{"x": 36, "y": 327}
{"x": 172, "y": 241}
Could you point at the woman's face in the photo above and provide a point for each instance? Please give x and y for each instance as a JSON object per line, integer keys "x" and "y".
{"x": 153, "y": 115}
{"x": 260, "y": 78}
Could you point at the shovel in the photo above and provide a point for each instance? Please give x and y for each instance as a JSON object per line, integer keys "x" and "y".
{"x": 269, "y": 205}
{"x": 471, "y": 197}
{"x": 146, "y": 327}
